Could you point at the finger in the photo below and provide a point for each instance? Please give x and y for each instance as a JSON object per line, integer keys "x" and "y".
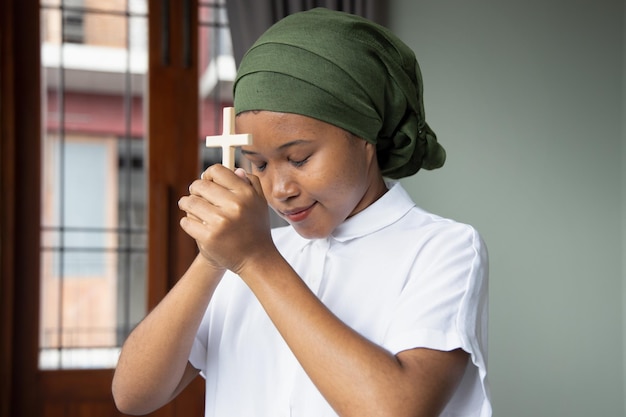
{"x": 202, "y": 175}
{"x": 241, "y": 173}
{"x": 231, "y": 180}
{"x": 197, "y": 208}
{"x": 211, "y": 192}
{"x": 194, "y": 217}
{"x": 195, "y": 229}
{"x": 255, "y": 182}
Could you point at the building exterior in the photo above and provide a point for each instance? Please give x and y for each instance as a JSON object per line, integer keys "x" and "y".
{"x": 95, "y": 69}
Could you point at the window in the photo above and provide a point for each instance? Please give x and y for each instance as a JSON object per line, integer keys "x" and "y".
{"x": 93, "y": 255}
{"x": 73, "y": 22}
{"x": 217, "y": 73}
{"x": 95, "y": 205}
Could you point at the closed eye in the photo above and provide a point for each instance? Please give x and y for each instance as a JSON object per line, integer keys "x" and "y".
{"x": 259, "y": 166}
{"x": 299, "y": 163}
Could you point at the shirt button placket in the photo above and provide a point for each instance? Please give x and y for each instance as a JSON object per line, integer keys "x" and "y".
{"x": 319, "y": 249}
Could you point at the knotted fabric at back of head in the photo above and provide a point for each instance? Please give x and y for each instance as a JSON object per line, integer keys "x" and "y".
{"x": 347, "y": 71}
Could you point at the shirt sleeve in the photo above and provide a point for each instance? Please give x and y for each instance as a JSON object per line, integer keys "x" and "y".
{"x": 444, "y": 306}
{"x": 198, "y": 355}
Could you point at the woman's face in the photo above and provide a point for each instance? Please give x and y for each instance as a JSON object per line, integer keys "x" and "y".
{"x": 314, "y": 175}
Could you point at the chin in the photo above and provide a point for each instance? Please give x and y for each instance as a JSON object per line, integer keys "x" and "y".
{"x": 310, "y": 234}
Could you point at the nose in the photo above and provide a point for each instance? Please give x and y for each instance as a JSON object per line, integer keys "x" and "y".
{"x": 283, "y": 185}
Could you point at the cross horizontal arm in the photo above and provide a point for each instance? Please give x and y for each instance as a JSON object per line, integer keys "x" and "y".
{"x": 229, "y": 140}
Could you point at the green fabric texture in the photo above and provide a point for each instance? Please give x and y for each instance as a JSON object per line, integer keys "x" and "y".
{"x": 347, "y": 71}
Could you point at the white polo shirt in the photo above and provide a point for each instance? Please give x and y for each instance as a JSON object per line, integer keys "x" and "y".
{"x": 400, "y": 276}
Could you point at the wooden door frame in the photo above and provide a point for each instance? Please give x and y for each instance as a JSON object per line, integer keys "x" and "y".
{"x": 173, "y": 89}
{"x": 24, "y": 389}
{"x": 20, "y": 157}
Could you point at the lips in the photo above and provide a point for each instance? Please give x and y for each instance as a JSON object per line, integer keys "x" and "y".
{"x": 298, "y": 214}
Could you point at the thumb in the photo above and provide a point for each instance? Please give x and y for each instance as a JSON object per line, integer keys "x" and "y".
{"x": 241, "y": 173}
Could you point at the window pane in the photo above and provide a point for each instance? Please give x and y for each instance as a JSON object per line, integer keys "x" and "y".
{"x": 93, "y": 284}
{"x": 217, "y": 73}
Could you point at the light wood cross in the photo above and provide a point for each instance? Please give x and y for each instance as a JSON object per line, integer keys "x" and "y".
{"x": 228, "y": 140}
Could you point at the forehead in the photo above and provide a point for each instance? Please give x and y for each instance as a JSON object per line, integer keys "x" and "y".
{"x": 274, "y": 121}
{"x": 277, "y": 130}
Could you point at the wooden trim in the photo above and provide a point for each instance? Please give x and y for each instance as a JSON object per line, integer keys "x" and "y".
{"x": 21, "y": 133}
{"x": 7, "y": 215}
{"x": 87, "y": 393}
{"x": 173, "y": 140}
{"x": 83, "y": 385}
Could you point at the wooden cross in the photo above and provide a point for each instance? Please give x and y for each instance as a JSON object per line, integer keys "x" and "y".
{"x": 228, "y": 140}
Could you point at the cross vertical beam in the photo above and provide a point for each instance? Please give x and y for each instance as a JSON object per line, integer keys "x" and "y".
{"x": 228, "y": 140}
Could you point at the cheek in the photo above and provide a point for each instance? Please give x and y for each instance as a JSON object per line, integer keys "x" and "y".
{"x": 354, "y": 172}
{"x": 344, "y": 186}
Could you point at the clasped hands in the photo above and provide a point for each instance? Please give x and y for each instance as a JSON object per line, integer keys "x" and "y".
{"x": 227, "y": 215}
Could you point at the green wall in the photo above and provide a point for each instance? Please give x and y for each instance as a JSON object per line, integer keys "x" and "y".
{"x": 528, "y": 99}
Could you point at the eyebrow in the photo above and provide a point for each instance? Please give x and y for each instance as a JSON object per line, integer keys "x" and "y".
{"x": 281, "y": 147}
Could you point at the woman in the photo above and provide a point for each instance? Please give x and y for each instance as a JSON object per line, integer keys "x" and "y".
{"x": 365, "y": 304}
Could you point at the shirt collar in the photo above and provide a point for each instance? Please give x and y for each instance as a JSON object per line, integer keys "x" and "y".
{"x": 388, "y": 209}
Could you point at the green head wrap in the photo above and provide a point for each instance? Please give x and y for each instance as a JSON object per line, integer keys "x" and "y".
{"x": 347, "y": 71}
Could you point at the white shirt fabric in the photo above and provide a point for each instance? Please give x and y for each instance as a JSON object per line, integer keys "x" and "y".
{"x": 400, "y": 276}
